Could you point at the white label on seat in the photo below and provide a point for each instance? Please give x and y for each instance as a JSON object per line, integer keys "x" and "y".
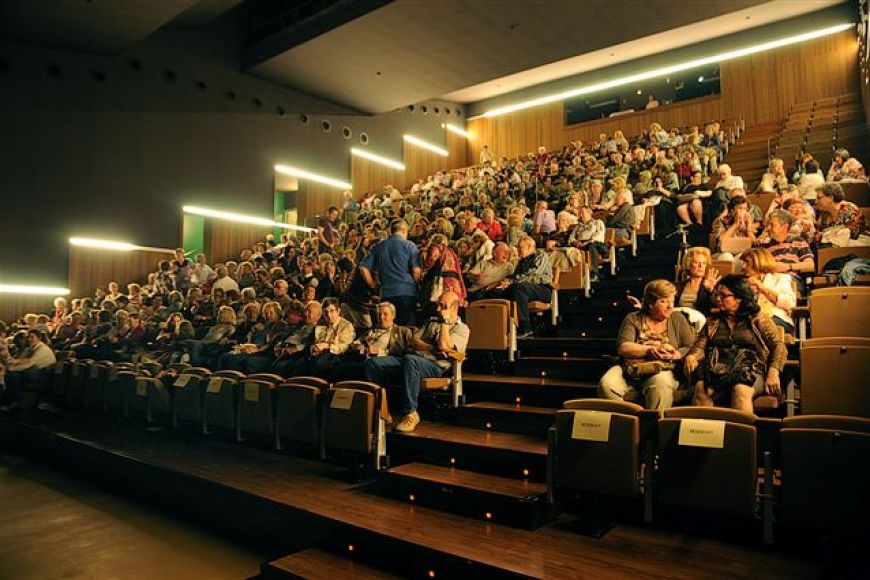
{"x": 141, "y": 388}
{"x": 95, "y": 372}
{"x": 591, "y": 426}
{"x": 113, "y": 374}
{"x": 182, "y": 381}
{"x": 252, "y": 392}
{"x": 702, "y": 433}
{"x": 214, "y": 385}
{"x": 342, "y": 399}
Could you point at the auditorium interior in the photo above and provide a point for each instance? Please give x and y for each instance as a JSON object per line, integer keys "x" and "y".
{"x": 434, "y": 289}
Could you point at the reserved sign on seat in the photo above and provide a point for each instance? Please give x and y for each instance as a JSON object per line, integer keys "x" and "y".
{"x": 591, "y": 426}
{"x": 342, "y": 399}
{"x": 702, "y": 433}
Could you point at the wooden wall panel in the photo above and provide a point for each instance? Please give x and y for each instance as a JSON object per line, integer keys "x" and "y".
{"x": 458, "y": 147}
{"x": 14, "y": 306}
{"x": 224, "y": 240}
{"x": 90, "y": 267}
{"x": 314, "y": 199}
{"x": 421, "y": 163}
{"x": 760, "y": 88}
{"x": 368, "y": 176}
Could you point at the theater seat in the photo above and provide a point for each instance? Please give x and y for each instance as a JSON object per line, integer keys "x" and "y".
{"x": 834, "y": 376}
{"x": 493, "y": 326}
{"x": 840, "y": 311}
{"x": 257, "y": 405}
{"x": 220, "y": 402}
{"x": 353, "y": 422}
{"x": 298, "y": 412}
{"x": 188, "y": 400}
{"x": 706, "y": 473}
{"x": 825, "y": 473}
{"x": 603, "y": 456}
{"x": 452, "y": 380}
{"x": 76, "y": 387}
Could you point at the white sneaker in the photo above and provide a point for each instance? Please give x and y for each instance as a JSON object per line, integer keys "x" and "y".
{"x": 408, "y": 423}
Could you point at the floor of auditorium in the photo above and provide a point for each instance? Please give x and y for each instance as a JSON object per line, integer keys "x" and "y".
{"x": 236, "y": 490}
{"x": 56, "y": 525}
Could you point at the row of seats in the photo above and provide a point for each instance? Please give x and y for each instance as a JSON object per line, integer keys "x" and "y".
{"x": 307, "y": 413}
{"x": 813, "y": 472}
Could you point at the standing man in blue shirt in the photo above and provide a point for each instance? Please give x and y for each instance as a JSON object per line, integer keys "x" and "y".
{"x": 397, "y": 263}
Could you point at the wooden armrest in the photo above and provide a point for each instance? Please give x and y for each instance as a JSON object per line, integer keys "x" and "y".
{"x": 455, "y": 355}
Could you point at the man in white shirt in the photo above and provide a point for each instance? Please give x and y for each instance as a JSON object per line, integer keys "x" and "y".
{"x": 26, "y": 369}
{"x": 486, "y": 155}
{"x": 202, "y": 272}
{"x": 489, "y": 272}
{"x": 224, "y": 282}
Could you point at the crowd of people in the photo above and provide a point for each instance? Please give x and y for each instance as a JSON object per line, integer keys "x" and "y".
{"x": 377, "y": 290}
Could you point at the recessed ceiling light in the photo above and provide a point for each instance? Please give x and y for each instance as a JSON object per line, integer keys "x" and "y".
{"x": 701, "y": 79}
{"x": 640, "y": 92}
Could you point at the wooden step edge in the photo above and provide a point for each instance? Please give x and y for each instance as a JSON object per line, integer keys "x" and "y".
{"x": 578, "y": 359}
{"x": 508, "y": 380}
{"x": 509, "y": 407}
{"x": 315, "y": 564}
{"x": 517, "y": 489}
{"x": 471, "y": 437}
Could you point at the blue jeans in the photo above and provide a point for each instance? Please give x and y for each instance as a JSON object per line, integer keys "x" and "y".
{"x": 401, "y": 376}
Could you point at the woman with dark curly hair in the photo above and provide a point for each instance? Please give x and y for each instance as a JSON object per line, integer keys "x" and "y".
{"x": 740, "y": 348}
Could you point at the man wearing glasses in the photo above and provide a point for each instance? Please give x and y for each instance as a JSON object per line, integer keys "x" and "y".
{"x": 431, "y": 348}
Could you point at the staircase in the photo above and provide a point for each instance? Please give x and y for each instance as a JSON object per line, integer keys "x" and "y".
{"x": 748, "y": 157}
{"x": 489, "y": 460}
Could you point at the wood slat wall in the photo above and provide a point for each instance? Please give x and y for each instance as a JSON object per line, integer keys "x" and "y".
{"x": 367, "y": 176}
{"x": 90, "y": 267}
{"x": 314, "y": 199}
{"x": 761, "y": 88}
{"x": 421, "y": 163}
{"x": 224, "y": 240}
{"x": 14, "y": 306}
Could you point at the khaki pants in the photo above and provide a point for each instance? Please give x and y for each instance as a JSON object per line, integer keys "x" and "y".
{"x": 658, "y": 390}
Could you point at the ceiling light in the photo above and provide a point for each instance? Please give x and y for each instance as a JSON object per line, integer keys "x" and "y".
{"x": 665, "y": 71}
{"x": 301, "y": 173}
{"x": 426, "y": 145}
{"x": 458, "y": 130}
{"x": 640, "y": 92}
{"x": 242, "y": 218}
{"x": 701, "y": 79}
{"x": 114, "y": 245}
{"x": 103, "y": 244}
{"x": 377, "y": 158}
{"x": 26, "y": 289}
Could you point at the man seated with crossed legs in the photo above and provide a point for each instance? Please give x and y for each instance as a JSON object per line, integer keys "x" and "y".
{"x": 431, "y": 346}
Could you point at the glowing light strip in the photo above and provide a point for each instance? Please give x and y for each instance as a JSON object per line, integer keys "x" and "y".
{"x": 425, "y": 145}
{"x": 112, "y": 245}
{"x": 377, "y": 158}
{"x": 302, "y": 174}
{"x": 458, "y": 130}
{"x": 238, "y": 217}
{"x": 38, "y": 290}
{"x": 660, "y": 72}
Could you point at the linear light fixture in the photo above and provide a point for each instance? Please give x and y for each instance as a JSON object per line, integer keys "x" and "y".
{"x": 302, "y": 174}
{"x": 241, "y": 218}
{"x": 37, "y": 290}
{"x": 377, "y": 158}
{"x": 113, "y": 245}
{"x": 456, "y": 129}
{"x": 664, "y": 71}
{"x": 426, "y": 145}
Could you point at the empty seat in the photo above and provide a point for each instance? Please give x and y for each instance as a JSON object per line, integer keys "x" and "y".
{"x": 119, "y": 383}
{"x": 188, "y": 399}
{"x": 596, "y": 448}
{"x": 220, "y": 404}
{"x": 79, "y": 373}
{"x": 834, "y": 376}
{"x": 707, "y": 462}
{"x": 95, "y": 385}
{"x": 492, "y": 325}
{"x": 840, "y": 311}
{"x": 256, "y": 406}
{"x": 857, "y": 192}
{"x": 353, "y": 423}
{"x": 298, "y": 412}
{"x": 825, "y": 473}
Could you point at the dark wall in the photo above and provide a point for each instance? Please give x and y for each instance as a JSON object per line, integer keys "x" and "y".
{"x": 112, "y": 147}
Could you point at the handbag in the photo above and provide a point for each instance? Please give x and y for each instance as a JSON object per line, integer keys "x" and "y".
{"x": 639, "y": 370}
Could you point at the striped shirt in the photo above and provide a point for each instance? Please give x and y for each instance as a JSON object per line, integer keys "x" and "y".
{"x": 792, "y": 250}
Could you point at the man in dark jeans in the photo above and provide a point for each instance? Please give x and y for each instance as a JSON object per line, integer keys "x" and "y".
{"x": 397, "y": 263}
{"x": 531, "y": 280}
{"x": 30, "y": 368}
